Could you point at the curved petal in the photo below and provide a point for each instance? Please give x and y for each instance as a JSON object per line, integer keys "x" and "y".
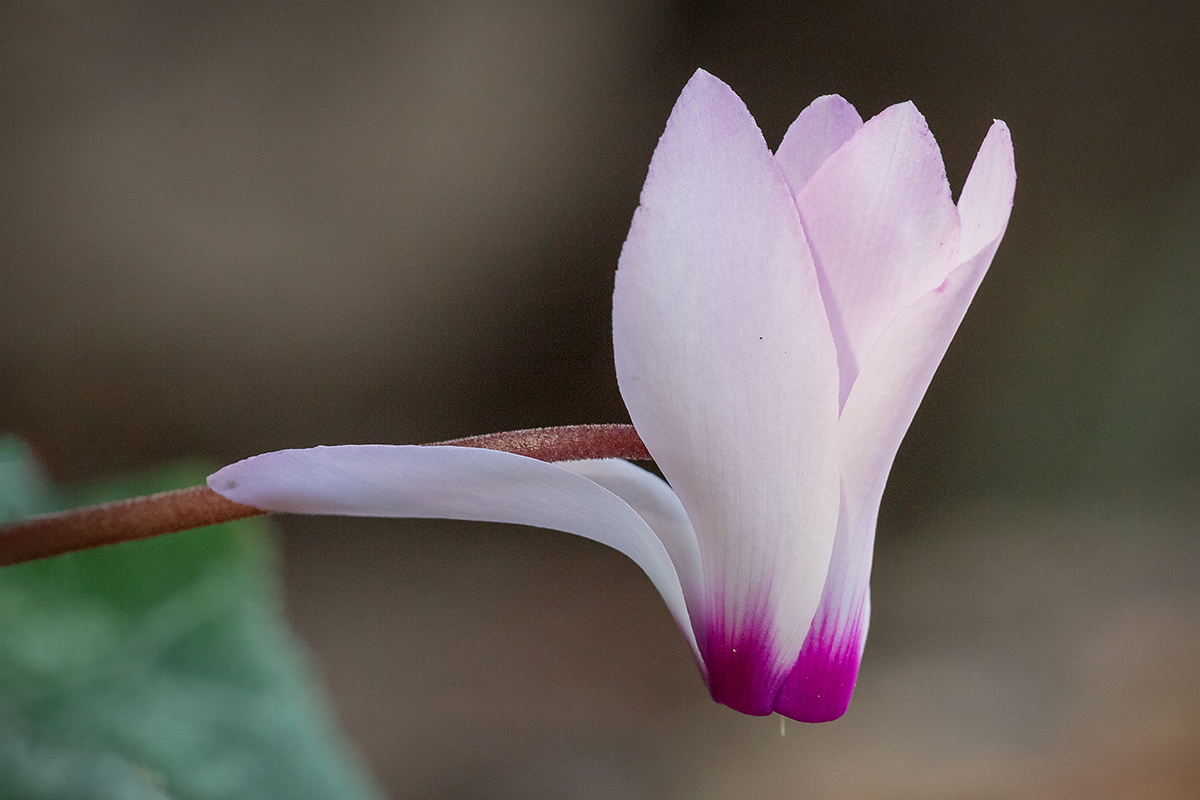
{"x": 727, "y": 365}
{"x": 820, "y": 684}
{"x": 877, "y": 415}
{"x": 882, "y": 228}
{"x": 466, "y": 483}
{"x": 881, "y": 405}
{"x": 822, "y": 128}
{"x": 656, "y": 503}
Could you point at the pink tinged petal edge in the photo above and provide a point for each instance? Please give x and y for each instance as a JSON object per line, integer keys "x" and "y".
{"x": 873, "y": 423}
{"x": 818, "y": 132}
{"x": 728, "y": 368}
{"x": 452, "y": 483}
{"x": 882, "y": 228}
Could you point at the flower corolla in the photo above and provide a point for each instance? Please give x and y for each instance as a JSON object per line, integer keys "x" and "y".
{"x": 777, "y": 319}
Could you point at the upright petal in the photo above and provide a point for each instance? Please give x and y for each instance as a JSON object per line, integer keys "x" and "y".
{"x": 987, "y": 196}
{"x": 882, "y": 228}
{"x": 820, "y": 685}
{"x": 452, "y": 483}
{"x": 728, "y": 367}
{"x": 895, "y": 374}
{"x": 818, "y": 132}
{"x": 897, "y": 370}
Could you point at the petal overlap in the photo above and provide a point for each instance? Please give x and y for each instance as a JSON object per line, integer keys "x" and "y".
{"x": 819, "y": 132}
{"x": 738, "y": 405}
{"x": 882, "y": 228}
{"x": 777, "y": 319}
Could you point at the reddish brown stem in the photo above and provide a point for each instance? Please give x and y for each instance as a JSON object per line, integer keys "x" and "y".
{"x": 564, "y": 442}
{"x": 121, "y": 521}
{"x": 182, "y": 509}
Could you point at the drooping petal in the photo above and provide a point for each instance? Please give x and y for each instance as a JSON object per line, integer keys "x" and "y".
{"x": 881, "y": 405}
{"x": 728, "y": 367}
{"x": 656, "y": 503}
{"x": 882, "y": 228}
{"x": 822, "y": 128}
{"x": 452, "y": 483}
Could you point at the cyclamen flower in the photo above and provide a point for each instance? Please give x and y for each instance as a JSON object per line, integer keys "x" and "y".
{"x": 776, "y": 321}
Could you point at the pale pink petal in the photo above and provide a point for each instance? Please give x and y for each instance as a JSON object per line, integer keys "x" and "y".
{"x": 882, "y": 229}
{"x": 894, "y": 376}
{"x": 876, "y": 416}
{"x": 898, "y": 369}
{"x": 820, "y": 685}
{"x": 451, "y": 483}
{"x": 987, "y": 196}
{"x": 727, "y": 365}
{"x": 822, "y": 128}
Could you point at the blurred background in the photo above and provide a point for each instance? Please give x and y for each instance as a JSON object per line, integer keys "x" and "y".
{"x": 232, "y": 227}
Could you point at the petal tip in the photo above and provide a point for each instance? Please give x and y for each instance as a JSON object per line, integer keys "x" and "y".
{"x": 987, "y": 196}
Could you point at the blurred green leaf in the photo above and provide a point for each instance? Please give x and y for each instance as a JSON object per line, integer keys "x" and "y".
{"x": 156, "y": 669}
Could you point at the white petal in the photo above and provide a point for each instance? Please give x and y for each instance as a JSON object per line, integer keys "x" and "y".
{"x": 876, "y": 416}
{"x": 727, "y": 365}
{"x": 898, "y": 369}
{"x": 654, "y": 501}
{"x": 821, "y": 683}
{"x": 818, "y": 132}
{"x": 453, "y": 483}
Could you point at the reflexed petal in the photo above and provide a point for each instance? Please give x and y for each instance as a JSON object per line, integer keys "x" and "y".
{"x": 822, "y": 128}
{"x": 882, "y": 229}
{"x": 877, "y": 414}
{"x": 728, "y": 368}
{"x": 451, "y": 483}
{"x": 654, "y": 501}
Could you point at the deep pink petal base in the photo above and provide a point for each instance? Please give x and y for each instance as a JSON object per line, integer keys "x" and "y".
{"x": 740, "y": 673}
{"x": 819, "y": 688}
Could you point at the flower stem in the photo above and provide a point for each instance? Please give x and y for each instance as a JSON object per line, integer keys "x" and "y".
{"x": 564, "y": 443}
{"x": 168, "y": 512}
{"x": 120, "y": 521}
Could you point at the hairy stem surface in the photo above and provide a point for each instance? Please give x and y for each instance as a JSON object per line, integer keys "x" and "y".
{"x": 182, "y": 509}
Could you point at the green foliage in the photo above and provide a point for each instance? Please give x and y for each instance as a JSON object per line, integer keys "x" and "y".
{"x": 155, "y": 669}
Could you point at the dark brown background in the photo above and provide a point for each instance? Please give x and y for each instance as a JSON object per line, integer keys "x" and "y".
{"x": 230, "y": 227}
